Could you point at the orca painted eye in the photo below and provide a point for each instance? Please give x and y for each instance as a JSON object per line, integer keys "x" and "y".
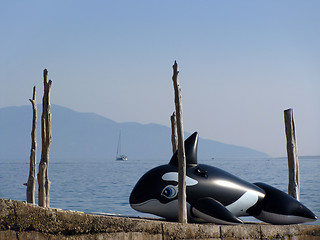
{"x": 170, "y": 191}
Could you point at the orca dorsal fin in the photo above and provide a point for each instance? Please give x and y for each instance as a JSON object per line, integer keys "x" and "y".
{"x": 191, "y": 149}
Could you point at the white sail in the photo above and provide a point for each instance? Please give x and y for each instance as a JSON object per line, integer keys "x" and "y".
{"x": 120, "y": 156}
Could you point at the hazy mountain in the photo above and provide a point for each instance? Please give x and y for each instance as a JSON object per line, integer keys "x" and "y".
{"x": 87, "y": 136}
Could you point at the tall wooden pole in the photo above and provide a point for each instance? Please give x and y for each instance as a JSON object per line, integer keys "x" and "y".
{"x": 174, "y": 138}
{"x": 182, "y": 197}
{"x": 292, "y": 153}
{"x": 31, "y": 184}
{"x": 43, "y": 178}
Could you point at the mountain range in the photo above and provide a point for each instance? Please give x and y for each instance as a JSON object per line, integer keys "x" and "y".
{"x": 87, "y": 136}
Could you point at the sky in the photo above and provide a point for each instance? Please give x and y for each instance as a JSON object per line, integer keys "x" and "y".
{"x": 241, "y": 63}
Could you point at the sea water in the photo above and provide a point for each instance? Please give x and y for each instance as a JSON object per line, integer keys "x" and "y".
{"x": 104, "y": 185}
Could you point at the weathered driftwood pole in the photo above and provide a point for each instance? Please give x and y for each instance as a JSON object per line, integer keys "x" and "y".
{"x": 181, "y": 151}
{"x": 43, "y": 179}
{"x": 174, "y": 138}
{"x": 31, "y": 184}
{"x": 292, "y": 153}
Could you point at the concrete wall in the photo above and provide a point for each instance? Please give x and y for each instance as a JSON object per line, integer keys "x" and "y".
{"x": 19, "y": 220}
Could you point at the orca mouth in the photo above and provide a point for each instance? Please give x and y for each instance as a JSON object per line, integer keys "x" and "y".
{"x": 138, "y": 206}
{"x": 138, "y": 198}
{"x": 153, "y": 206}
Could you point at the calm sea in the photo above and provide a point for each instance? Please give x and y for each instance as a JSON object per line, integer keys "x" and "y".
{"x": 105, "y": 185}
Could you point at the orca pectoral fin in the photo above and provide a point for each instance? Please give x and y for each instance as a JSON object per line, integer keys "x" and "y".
{"x": 213, "y": 211}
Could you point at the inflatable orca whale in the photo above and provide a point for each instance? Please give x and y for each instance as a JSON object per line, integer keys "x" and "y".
{"x": 213, "y": 195}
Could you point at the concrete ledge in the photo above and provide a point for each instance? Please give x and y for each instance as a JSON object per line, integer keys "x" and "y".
{"x": 19, "y": 220}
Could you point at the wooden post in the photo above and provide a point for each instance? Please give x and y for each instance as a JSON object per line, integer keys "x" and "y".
{"x": 31, "y": 184}
{"x": 293, "y": 162}
{"x": 174, "y": 138}
{"x": 43, "y": 179}
{"x": 182, "y": 199}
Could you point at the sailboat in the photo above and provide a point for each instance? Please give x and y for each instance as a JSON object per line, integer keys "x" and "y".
{"x": 120, "y": 156}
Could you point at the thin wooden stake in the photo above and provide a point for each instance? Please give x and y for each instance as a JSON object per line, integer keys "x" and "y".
{"x": 31, "y": 184}
{"x": 43, "y": 178}
{"x": 174, "y": 138}
{"x": 182, "y": 197}
{"x": 292, "y": 153}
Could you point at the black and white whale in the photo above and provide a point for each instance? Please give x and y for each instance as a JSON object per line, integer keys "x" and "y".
{"x": 213, "y": 195}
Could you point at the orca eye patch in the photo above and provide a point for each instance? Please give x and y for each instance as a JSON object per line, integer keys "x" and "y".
{"x": 170, "y": 191}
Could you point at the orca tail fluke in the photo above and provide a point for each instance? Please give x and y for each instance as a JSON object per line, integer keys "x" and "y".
{"x": 280, "y": 208}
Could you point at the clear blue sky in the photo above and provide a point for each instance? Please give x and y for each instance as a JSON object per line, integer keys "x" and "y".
{"x": 241, "y": 63}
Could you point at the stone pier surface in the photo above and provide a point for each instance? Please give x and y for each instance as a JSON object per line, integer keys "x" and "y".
{"x": 22, "y": 221}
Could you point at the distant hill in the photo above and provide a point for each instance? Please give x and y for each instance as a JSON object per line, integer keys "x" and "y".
{"x": 88, "y": 136}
